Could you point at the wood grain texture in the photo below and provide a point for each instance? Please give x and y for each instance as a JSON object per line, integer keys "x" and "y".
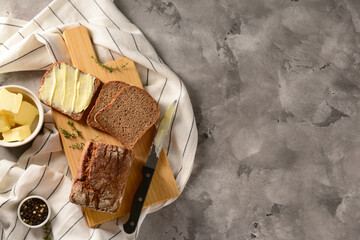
{"x": 163, "y": 185}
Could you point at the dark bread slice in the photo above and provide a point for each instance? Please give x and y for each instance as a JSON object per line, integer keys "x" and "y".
{"x": 74, "y": 116}
{"x": 101, "y": 177}
{"x": 107, "y": 93}
{"x": 129, "y": 115}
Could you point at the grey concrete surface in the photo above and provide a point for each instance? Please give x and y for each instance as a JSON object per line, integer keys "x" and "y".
{"x": 276, "y": 91}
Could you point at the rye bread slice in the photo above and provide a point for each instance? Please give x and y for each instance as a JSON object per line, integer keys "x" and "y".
{"x": 107, "y": 93}
{"x": 72, "y": 115}
{"x": 101, "y": 177}
{"x": 129, "y": 115}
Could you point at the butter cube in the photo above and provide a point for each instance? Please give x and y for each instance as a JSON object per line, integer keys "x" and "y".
{"x": 4, "y": 123}
{"x": 9, "y": 116}
{"x": 26, "y": 114}
{"x": 17, "y": 134}
{"x": 10, "y": 101}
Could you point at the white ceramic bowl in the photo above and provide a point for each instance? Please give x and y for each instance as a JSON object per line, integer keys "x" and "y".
{"x": 41, "y": 224}
{"x": 39, "y": 120}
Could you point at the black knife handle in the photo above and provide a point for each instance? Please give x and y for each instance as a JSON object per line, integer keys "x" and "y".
{"x": 138, "y": 201}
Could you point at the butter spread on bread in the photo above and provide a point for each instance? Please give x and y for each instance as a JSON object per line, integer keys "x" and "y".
{"x": 67, "y": 89}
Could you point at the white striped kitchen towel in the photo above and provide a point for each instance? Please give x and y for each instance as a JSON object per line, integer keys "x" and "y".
{"x": 43, "y": 169}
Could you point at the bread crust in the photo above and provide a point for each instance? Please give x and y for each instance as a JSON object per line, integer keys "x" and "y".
{"x": 90, "y": 120}
{"x": 145, "y": 129}
{"x": 101, "y": 177}
{"x": 74, "y": 116}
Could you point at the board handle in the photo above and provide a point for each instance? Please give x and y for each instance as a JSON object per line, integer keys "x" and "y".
{"x": 81, "y": 50}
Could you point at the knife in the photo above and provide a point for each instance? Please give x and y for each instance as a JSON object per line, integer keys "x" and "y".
{"x": 149, "y": 168}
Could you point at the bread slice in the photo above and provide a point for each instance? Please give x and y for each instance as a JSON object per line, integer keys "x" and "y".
{"x": 44, "y": 97}
{"x": 101, "y": 177}
{"x": 129, "y": 115}
{"x": 107, "y": 93}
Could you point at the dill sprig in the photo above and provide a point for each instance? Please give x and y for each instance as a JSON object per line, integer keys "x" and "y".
{"x": 77, "y": 145}
{"x": 71, "y": 124}
{"x": 110, "y": 68}
{"x": 94, "y": 139}
{"x": 47, "y": 231}
{"x": 67, "y": 134}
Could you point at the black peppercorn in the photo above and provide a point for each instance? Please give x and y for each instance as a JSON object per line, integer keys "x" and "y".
{"x": 34, "y": 211}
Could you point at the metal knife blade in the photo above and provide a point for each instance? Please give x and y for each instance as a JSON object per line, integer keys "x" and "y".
{"x": 149, "y": 168}
{"x": 161, "y": 133}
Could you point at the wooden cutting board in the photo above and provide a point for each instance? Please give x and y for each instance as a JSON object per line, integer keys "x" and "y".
{"x": 163, "y": 185}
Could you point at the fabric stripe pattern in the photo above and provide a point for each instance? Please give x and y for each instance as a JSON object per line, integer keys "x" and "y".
{"x": 43, "y": 168}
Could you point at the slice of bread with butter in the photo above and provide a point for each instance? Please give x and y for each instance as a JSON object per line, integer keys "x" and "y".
{"x": 68, "y": 90}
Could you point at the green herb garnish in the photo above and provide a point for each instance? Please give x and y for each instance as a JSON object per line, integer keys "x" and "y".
{"x": 71, "y": 124}
{"x": 94, "y": 139}
{"x": 110, "y": 68}
{"x": 67, "y": 134}
{"x": 124, "y": 65}
{"x": 47, "y": 231}
{"x": 77, "y": 145}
